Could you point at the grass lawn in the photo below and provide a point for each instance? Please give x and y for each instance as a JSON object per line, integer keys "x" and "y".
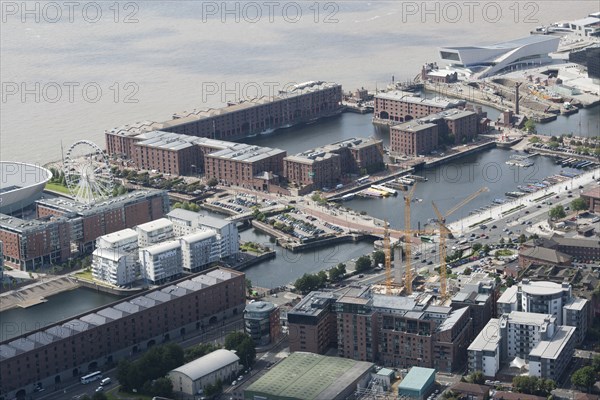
{"x": 504, "y": 252}
{"x": 58, "y": 188}
{"x": 87, "y": 276}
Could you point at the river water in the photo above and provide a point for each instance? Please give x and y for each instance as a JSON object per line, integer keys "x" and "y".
{"x": 70, "y": 78}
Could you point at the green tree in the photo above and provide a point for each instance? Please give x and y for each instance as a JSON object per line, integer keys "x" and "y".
{"x": 510, "y": 281}
{"x": 553, "y": 144}
{"x": 363, "y": 263}
{"x": 534, "y": 139}
{"x": 529, "y": 126}
{"x": 557, "y": 212}
{"x": 522, "y": 238}
{"x": 579, "y": 204}
{"x": 502, "y": 241}
{"x": 476, "y": 246}
{"x": 487, "y": 248}
{"x": 307, "y": 283}
{"x": 244, "y": 347}
{"x": 198, "y": 351}
{"x": 162, "y": 387}
{"x": 467, "y": 271}
{"x": 476, "y": 377}
{"x": 212, "y": 182}
{"x": 322, "y": 275}
{"x": 378, "y": 257}
{"x": 596, "y": 362}
{"x": 533, "y": 385}
{"x": 99, "y": 396}
{"x": 584, "y": 378}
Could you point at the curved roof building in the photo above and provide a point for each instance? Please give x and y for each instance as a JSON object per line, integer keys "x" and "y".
{"x": 20, "y": 184}
{"x": 490, "y": 60}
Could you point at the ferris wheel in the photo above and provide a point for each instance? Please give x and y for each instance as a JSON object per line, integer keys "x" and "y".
{"x": 87, "y": 172}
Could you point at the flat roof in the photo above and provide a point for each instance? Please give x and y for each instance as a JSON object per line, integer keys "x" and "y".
{"x": 542, "y": 288}
{"x": 529, "y": 318}
{"x": 414, "y": 126}
{"x": 575, "y": 303}
{"x": 72, "y": 206}
{"x": 408, "y": 97}
{"x": 117, "y": 236}
{"x": 198, "y": 236}
{"x": 160, "y": 223}
{"x": 309, "y": 376}
{"x": 313, "y": 303}
{"x": 489, "y": 337}
{"x": 246, "y": 153}
{"x": 551, "y": 349}
{"x": 509, "y": 295}
{"x": 416, "y": 379}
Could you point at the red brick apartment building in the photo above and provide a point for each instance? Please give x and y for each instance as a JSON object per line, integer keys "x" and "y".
{"x": 243, "y": 164}
{"x": 396, "y": 331}
{"x": 312, "y": 323}
{"x": 313, "y": 171}
{"x": 324, "y": 166}
{"x": 29, "y": 245}
{"x": 592, "y": 197}
{"x": 87, "y": 342}
{"x": 414, "y": 138}
{"x": 88, "y": 222}
{"x": 463, "y": 124}
{"x": 172, "y": 153}
{"x": 396, "y": 106}
{"x": 302, "y": 103}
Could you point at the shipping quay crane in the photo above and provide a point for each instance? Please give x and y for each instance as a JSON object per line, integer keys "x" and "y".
{"x": 445, "y": 232}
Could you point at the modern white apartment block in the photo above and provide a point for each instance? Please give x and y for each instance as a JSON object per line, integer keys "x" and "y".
{"x": 484, "y": 351}
{"x": 124, "y": 240}
{"x": 153, "y": 232}
{"x": 161, "y": 262}
{"x": 114, "y": 266}
{"x": 199, "y": 249}
{"x": 115, "y": 259}
{"x": 533, "y": 338}
{"x": 185, "y": 222}
{"x": 576, "y": 313}
{"x": 544, "y": 297}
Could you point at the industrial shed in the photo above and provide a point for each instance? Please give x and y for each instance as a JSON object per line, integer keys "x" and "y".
{"x": 192, "y": 377}
{"x": 418, "y": 383}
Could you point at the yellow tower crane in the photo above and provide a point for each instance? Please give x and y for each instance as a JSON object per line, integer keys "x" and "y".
{"x": 445, "y": 232}
{"x": 388, "y": 259}
{"x": 408, "y": 278}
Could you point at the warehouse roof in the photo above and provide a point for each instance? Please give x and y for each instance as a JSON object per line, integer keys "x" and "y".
{"x": 310, "y": 376}
{"x": 208, "y": 364}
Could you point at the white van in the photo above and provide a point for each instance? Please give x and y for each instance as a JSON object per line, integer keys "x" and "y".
{"x": 105, "y": 381}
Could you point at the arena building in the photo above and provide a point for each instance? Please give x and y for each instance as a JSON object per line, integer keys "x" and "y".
{"x": 20, "y": 185}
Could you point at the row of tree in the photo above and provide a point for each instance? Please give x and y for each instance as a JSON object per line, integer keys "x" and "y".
{"x": 147, "y": 374}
